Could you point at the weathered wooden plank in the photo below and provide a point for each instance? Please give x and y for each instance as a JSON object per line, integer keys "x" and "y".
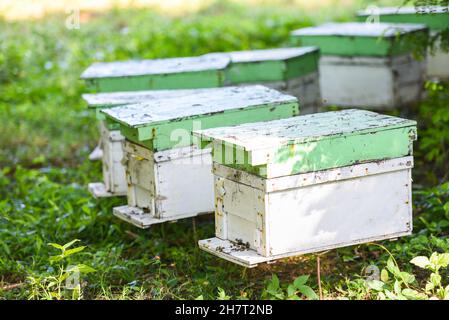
{"x": 360, "y": 39}
{"x": 271, "y": 64}
{"x": 311, "y": 142}
{"x": 156, "y": 66}
{"x": 114, "y": 183}
{"x": 305, "y": 128}
{"x": 233, "y": 252}
{"x": 144, "y": 220}
{"x": 305, "y": 88}
{"x": 166, "y": 185}
{"x": 167, "y": 123}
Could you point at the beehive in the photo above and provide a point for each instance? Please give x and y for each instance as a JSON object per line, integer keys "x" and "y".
{"x": 435, "y": 17}
{"x": 290, "y": 70}
{"x": 171, "y": 73}
{"x": 367, "y": 65}
{"x": 110, "y": 149}
{"x": 168, "y": 178}
{"x": 309, "y": 183}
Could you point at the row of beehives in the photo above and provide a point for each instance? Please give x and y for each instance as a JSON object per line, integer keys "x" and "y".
{"x": 282, "y": 184}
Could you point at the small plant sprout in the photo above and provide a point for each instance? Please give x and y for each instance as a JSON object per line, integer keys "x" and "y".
{"x": 66, "y": 283}
{"x": 436, "y": 262}
{"x": 297, "y": 290}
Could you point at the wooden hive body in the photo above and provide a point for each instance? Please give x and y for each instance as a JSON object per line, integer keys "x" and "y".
{"x": 168, "y": 179}
{"x": 322, "y": 197}
{"x": 290, "y": 70}
{"x": 367, "y": 65}
{"x": 171, "y": 73}
{"x": 436, "y": 18}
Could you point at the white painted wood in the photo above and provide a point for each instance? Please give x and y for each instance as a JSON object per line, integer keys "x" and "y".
{"x": 438, "y": 63}
{"x": 96, "y": 154}
{"x": 267, "y": 219}
{"x": 114, "y": 179}
{"x": 340, "y": 213}
{"x": 269, "y": 54}
{"x": 308, "y": 128}
{"x": 249, "y": 258}
{"x": 109, "y": 99}
{"x": 166, "y": 185}
{"x": 156, "y": 66}
{"x": 360, "y": 29}
{"x": 197, "y": 104}
{"x": 99, "y": 190}
{"x": 310, "y": 178}
{"x": 371, "y": 82}
{"x": 403, "y": 10}
{"x": 113, "y": 170}
{"x": 305, "y": 88}
{"x": 143, "y": 220}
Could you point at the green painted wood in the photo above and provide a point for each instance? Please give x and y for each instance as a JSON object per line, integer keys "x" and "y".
{"x": 271, "y": 64}
{"x": 105, "y": 100}
{"x": 311, "y": 142}
{"x": 167, "y": 123}
{"x": 436, "y": 18}
{"x": 189, "y": 80}
{"x": 360, "y": 39}
{"x": 205, "y": 71}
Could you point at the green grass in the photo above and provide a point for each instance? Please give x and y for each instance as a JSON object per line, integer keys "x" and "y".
{"x": 46, "y": 133}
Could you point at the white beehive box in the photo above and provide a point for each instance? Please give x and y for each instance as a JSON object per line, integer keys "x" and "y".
{"x": 114, "y": 182}
{"x": 293, "y": 70}
{"x": 110, "y": 149}
{"x": 166, "y": 185}
{"x": 309, "y": 184}
{"x": 167, "y": 177}
{"x": 367, "y": 65}
{"x": 435, "y": 17}
{"x": 290, "y": 70}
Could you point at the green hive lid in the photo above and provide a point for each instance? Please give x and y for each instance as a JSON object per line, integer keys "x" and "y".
{"x": 310, "y": 143}
{"x": 171, "y": 73}
{"x": 152, "y": 123}
{"x": 435, "y": 17}
{"x": 278, "y": 64}
{"x": 359, "y": 38}
{"x": 104, "y": 100}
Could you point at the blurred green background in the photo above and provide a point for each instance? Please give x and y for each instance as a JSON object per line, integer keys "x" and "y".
{"x": 46, "y": 133}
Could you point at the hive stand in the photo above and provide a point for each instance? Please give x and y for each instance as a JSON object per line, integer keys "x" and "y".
{"x": 308, "y": 184}
{"x": 367, "y": 65}
{"x": 168, "y": 179}
{"x": 435, "y": 17}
